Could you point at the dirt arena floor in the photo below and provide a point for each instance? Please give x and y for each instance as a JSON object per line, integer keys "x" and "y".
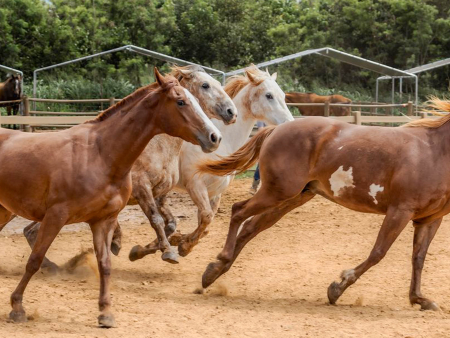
{"x": 277, "y": 287}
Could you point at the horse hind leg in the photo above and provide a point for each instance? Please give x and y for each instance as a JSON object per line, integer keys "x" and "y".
{"x": 393, "y": 224}
{"x": 423, "y": 235}
{"x": 116, "y": 243}
{"x": 250, "y": 229}
{"x": 31, "y": 232}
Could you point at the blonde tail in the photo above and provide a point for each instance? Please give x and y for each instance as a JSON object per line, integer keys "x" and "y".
{"x": 239, "y": 161}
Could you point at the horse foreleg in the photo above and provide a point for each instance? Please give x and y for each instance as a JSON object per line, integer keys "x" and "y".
{"x": 102, "y": 232}
{"x": 31, "y": 232}
{"x": 169, "y": 219}
{"x": 393, "y": 224}
{"x": 50, "y": 227}
{"x": 423, "y": 235}
{"x": 199, "y": 194}
{"x": 249, "y": 230}
{"x": 144, "y": 196}
{"x": 215, "y": 203}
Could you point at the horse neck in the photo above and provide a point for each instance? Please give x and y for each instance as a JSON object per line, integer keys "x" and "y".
{"x": 125, "y": 134}
{"x": 236, "y": 134}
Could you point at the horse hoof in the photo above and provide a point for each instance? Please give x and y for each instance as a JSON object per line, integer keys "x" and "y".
{"x": 212, "y": 272}
{"x": 106, "y": 320}
{"x": 134, "y": 254}
{"x": 18, "y": 316}
{"x": 115, "y": 248}
{"x": 334, "y": 292}
{"x": 51, "y": 268}
{"x": 429, "y": 305}
{"x": 170, "y": 257}
{"x": 175, "y": 238}
{"x": 184, "y": 248}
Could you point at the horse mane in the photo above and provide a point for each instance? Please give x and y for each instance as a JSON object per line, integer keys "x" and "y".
{"x": 253, "y": 76}
{"x": 185, "y": 71}
{"x": 135, "y": 97}
{"x": 435, "y": 103}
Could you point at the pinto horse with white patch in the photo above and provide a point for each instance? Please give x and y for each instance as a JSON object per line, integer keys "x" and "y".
{"x": 369, "y": 169}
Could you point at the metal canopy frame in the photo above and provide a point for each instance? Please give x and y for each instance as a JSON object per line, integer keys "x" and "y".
{"x": 129, "y": 48}
{"x": 415, "y": 70}
{"x": 388, "y": 72}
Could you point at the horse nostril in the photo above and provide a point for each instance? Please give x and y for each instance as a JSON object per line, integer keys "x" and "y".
{"x": 214, "y": 138}
{"x": 230, "y": 111}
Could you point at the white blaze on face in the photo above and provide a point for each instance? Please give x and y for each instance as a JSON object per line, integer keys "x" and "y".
{"x": 201, "y": 113}
{"x": 374, "y": 190}
{"x": 341, "y": 179}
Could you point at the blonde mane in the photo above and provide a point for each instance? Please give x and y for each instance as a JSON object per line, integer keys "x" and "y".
{"x": 253, "y": 76}
{"x": 435, "y": 103}
{"x": 185, "y": 71}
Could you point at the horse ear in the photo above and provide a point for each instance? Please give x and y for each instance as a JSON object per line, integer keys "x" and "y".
{"x": 250, "y": 77}
{"x": 274, "y": 76}
{"x": 159, "y": 78}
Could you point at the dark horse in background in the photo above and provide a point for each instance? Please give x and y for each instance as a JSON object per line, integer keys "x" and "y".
{"x": 10, "y": 90}
{"x": 319, "y": 110}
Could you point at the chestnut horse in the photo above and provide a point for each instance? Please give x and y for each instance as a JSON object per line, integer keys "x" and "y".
{"x": 155, "y": 172}
{"x": 369, "y": 169}
{"x": 319, "y": 110}
{"x": 258, "y": 97}
{"x": 82, "y": 174}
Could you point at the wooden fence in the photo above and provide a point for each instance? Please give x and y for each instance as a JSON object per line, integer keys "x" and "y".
{"x": 35, "y": 118}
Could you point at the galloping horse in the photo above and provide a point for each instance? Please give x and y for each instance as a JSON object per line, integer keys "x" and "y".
{"x": 82, "y": 174}
{"x": 316, "y": 110}
{"x": 155, "y": 172}
{"x": 369, "y": 169}
{"x": 10, "y": 91}
{"x": 257, "y": 97}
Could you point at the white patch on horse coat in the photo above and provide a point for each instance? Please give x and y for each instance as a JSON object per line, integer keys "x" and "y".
{"x": 348, "y": 276}
{"x": 374, "y": 189}
{"x": 201, "y": 113}
{"x": 240, "y": 229}
{"x": 340, "y": 147}
{"x": 341, "y": 179}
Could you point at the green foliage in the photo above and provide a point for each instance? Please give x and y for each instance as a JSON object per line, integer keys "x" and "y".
{"x": 225, "y": 34}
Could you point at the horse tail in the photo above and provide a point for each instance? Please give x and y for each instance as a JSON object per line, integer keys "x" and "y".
{"x": 240, "y": 160}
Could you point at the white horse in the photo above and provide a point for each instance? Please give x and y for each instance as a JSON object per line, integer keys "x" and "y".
{"x": 257, "y": 96}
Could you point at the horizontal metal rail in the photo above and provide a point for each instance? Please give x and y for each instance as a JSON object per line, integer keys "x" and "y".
{"x": 41, "y": 112}
{"x": 31, "y": 99}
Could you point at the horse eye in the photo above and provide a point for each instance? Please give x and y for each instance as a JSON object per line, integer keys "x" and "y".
{"x": 181, "y": 102}
{"x": 269, "y": 96}
{"x": 205, "y": 85}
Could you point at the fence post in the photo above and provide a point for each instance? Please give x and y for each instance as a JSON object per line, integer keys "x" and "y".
{"x": 26, "y": 112}
{"x": 357, "y": 116}
{"x": 326, "y": 109}
{"x": 410, "y": 108}
{"x": 111, "y": 101}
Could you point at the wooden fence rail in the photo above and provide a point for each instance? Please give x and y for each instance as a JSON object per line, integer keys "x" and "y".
{"x": 66, "y": 119}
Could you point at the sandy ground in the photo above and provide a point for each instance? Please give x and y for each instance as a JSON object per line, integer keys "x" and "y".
{"x": 276, "y": 288}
